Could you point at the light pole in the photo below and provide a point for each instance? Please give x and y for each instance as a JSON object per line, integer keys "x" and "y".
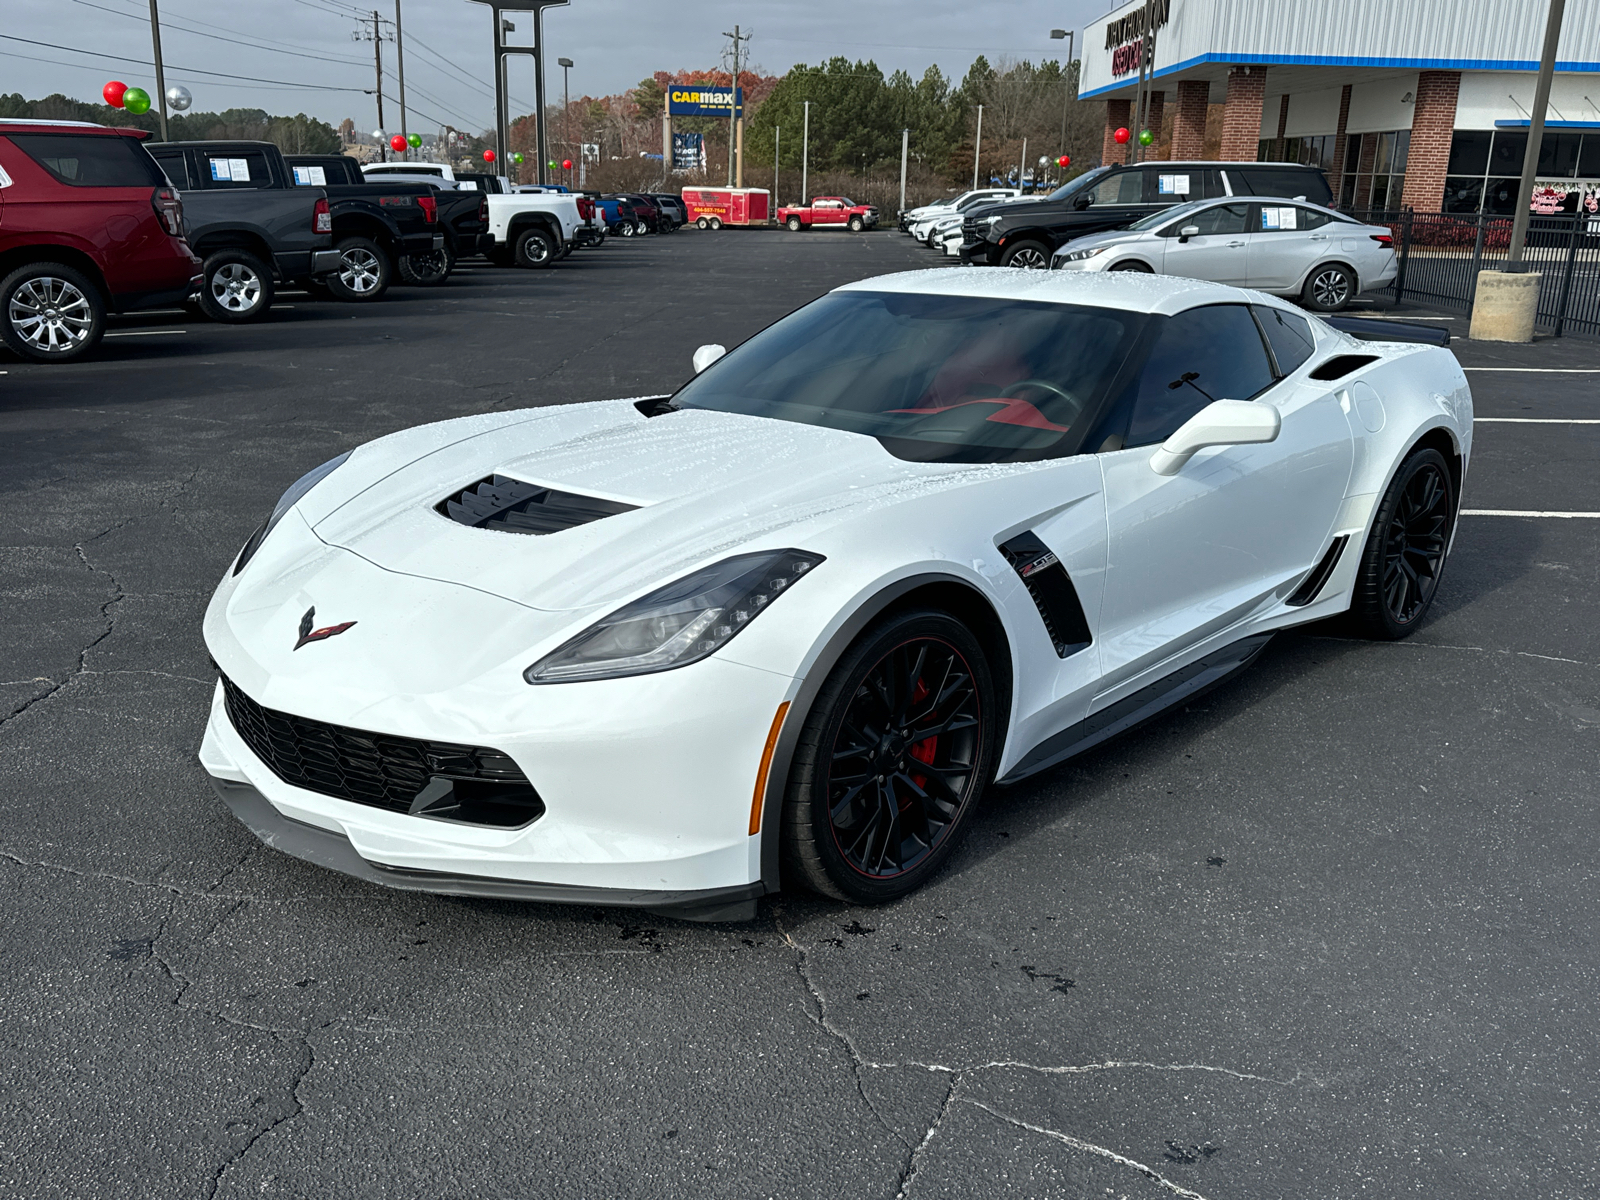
{"x": 905, "y": 146}
{"x": 400, "y": 68}
{"x": 1530, "y": 156}
{"x": 777, "y": 141}
{"x": 1066, "y": 88}
{"x": 566, "y": 111}
{"x": 161, "y": 77}
{"x": 805, "y": 152}
{"x": 977, "y": 148}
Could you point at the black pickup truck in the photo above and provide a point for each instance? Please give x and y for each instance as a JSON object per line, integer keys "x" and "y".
{"x": 463, "y": 216}
{"x": 252, "y": 231}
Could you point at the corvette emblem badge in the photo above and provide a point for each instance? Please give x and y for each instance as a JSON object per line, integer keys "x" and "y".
{"x": 308, "y": 634}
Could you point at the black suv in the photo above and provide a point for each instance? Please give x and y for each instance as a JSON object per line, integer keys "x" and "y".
{"x": 1024, "y": 233}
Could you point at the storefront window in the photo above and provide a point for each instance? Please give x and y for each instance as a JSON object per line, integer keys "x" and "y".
{"x": 1469, "y": 153}
{"x": 1313, "y": 151}
{"x": 1485, "y": 168}
{"x": 1375, "y": 171}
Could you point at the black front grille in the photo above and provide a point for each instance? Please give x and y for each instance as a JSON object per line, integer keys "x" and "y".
{"x": 512, "y": 506}
{"x": 381, "y": 770}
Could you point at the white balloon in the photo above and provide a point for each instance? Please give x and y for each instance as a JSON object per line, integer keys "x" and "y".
{"x": 379, "y": 134}
{"x": 178, "y": 98}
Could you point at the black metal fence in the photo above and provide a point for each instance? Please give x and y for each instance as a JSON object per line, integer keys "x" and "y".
{"x": 1442, "y": 253}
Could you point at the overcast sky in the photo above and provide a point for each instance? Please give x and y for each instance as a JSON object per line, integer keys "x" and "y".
{"x": 294, "y": 44}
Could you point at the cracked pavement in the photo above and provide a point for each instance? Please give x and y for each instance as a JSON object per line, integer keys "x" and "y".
{"x": 1326, "y": 932}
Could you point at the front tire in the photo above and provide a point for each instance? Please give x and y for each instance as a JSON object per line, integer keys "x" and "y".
{"x": 857, "y": 224}
{"x": 1133, "y": 265}
{"x": 428, "y": 269}
{"x": 1405, "y": 552}
{"x": 235, "y": 287}
{"x": 1329, "y": 288}
{"x": 51, "y": 313}
{"x": 1027, "y": 256}
{"x": 894, "y": 756}
{"x": 364, "y": 273}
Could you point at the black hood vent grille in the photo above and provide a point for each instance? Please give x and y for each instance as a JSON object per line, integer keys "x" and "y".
{"x": 512, "y": 506}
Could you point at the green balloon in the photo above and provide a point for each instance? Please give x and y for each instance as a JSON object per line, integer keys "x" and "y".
{"x": 136, "y": 101}
{"x": 551, "y": 164}
{"x": 1146, "y": 137}
{"x": 415, "y": 139}
{"x": 517, "y": 157}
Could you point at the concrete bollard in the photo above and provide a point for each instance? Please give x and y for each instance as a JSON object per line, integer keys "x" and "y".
{"x": 1504, "y": 306}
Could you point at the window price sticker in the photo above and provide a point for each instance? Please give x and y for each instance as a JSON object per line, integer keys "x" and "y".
{"x": 1173, "y": 185}
{"x": 1278, "y": 218}
{"x": 310, "y": 177}
{"x": 234, "y": 170}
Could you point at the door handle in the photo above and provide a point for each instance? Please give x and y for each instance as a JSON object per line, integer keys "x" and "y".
{"x": 1240, "y": 243}
{"x": 1317, "y": 237}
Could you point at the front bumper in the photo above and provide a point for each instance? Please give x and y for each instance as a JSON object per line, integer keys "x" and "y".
{"x": 979, "y": 254}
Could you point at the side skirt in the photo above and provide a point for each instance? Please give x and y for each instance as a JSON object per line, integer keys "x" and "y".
{"x": 1147, "y": 702}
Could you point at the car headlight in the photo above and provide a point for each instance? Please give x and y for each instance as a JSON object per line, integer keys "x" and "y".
{"x": 991, "y": 220}
{"x": 288, "y": 500}
{"x": 1080, "y": 255}
{"x": 678, "y": 624}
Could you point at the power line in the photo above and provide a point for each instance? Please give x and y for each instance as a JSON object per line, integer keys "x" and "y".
{"x": 145, "y": 62}
{"x": 169, "y": 23}
{"x": 55, "y": 62}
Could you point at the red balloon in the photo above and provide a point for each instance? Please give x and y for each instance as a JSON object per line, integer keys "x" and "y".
{"x": 566, "y": 164}
{"x": 488, "y": 156}
{"x": 113, "y": 92}
{"x": 1121, "y": 137}
{"x": 397, "y": 143}
{"x": 1064, "y": 161}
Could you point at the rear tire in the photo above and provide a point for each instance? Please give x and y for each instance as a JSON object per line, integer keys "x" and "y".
{"x": 534, "y": 248}
{"x": 428, "y": 269}
{"x": 625, "y": 229}
{"x": 1027, "y": 256}
{"x": 716, "y": 222}
{"x": 701, "y": 223}
{"x": 235, "y": 287}
{"x": 364, "y": 273}
{"x": 873, "y": 810}
{"x": 1406, "y": 550}
{"x": 794, "y": 224}
{"x": 31, "y": 293}
{"x": 1328, "y": 288}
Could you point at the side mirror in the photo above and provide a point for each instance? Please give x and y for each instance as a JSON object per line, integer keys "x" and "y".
{"x": 707, "y": 355}
{"x": 1187, "y": 232}
{"x": 1220, "y": 423}
{"x": 1081, "y": 203}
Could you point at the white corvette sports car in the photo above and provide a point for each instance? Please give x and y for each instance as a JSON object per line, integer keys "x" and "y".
{"x": 929, "y": 532}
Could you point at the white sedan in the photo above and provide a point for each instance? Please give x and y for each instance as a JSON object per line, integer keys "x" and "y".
{"x": 932, "y": 532}
{"x": 1288, "y": 248}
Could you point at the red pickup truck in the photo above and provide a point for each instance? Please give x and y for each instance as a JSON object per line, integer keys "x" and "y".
{"x": 88, "y": 223}
{"x": 829, "y": 212}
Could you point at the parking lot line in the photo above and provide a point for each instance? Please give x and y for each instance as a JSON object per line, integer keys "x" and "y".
{"x": 143, "y": 332}
{"x": 1512, "y": 512}
{"x": 1536, "y": 420}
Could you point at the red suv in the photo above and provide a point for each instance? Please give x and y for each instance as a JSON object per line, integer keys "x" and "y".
{"x": 88, "y": 223}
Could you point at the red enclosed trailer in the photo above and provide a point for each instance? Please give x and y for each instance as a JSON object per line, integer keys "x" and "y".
{"x": 712, "y": 208}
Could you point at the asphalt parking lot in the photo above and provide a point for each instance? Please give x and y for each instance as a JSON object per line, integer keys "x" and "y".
{"x": 1328, "y": 932}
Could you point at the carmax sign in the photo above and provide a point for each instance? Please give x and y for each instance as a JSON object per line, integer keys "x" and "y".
{"x": 697, "y": 101}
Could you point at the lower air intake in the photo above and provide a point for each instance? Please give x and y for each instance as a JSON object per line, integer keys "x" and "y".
{"x": 471, "y": 784}
{"x": 512, "y": 506}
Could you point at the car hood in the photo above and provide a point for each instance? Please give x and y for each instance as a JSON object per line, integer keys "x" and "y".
{"x": 1090, "y": 240}
{"x": 704, "y": 483}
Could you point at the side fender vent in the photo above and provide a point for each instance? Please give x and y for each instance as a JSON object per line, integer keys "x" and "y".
{"x": 1341, "y": 365}
{"x": 1318, "y": 578}
{"x": 512, "y": 506}
{"x": 1051, "y": 587}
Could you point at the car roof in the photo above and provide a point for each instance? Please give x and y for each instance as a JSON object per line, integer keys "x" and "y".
{"x": 1126, "y": 290}
{"x": 25, "y": 124}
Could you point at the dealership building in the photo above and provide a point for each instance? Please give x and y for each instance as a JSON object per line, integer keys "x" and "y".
{"x": 1405, "y": 103}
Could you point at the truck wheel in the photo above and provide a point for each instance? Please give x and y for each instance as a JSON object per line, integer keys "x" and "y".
{"x": 625, "y": 229}
{"x": 428, "y": 269}
{"x": 236, "y": 287}
{"x": 794, "y": 224}
{"x": 716, "y": 222}
{"x": 702, "y": 223}
{"x": 535, "y": 248}
{"x": 1027, "y": 256}
{"x": 52, "y": 313}
{"x": 857, "y": 224}
{"x": 364, "y": 270}
{"x": 640, "y": 228}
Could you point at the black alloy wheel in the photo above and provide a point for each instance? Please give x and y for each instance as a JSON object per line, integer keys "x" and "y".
{"x": 1329, "y": 288}
{"x": 427, "y": 269}
{"x": 1405, "y": 552}
{"x": 364, "y": 273}
{"x": 235, "y": 287}
{"x": 51, "y": 312}
{"x": 895, "y": 753}
{"x": 1027, "y": 256}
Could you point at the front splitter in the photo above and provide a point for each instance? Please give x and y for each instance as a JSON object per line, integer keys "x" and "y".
{"x": 325, "y": 848}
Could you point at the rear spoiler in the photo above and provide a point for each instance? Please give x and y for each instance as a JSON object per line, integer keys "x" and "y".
{"x": 1371, "y": 329}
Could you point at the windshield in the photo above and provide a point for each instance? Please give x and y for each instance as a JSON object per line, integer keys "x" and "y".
{"x": 1073, "y": 187}
{"x": 934, "y": 378}
{"x": 1167, "y": 214}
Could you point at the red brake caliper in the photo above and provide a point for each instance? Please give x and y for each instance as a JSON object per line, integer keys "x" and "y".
{"x": 922, "y": 751}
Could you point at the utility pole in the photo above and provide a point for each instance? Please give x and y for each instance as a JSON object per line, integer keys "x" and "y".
{"x": 1530, "y": 156}
{"x": 735, "y": 130}
{"x": 805, "y": 153}
{"x": 161, "y": 77}
{"x": 1067, "y": 89}
{"x": 376, "y": 36}
{"x": 400, "y": 69}
{"x": 1022, "y": 167}
{"x": 777, "y": 141}
{"x": 905, "y": 147}
{"x": 977, "y": 148}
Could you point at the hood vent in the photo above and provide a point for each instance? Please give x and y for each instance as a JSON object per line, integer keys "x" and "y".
{"x": 512, "y": 506}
